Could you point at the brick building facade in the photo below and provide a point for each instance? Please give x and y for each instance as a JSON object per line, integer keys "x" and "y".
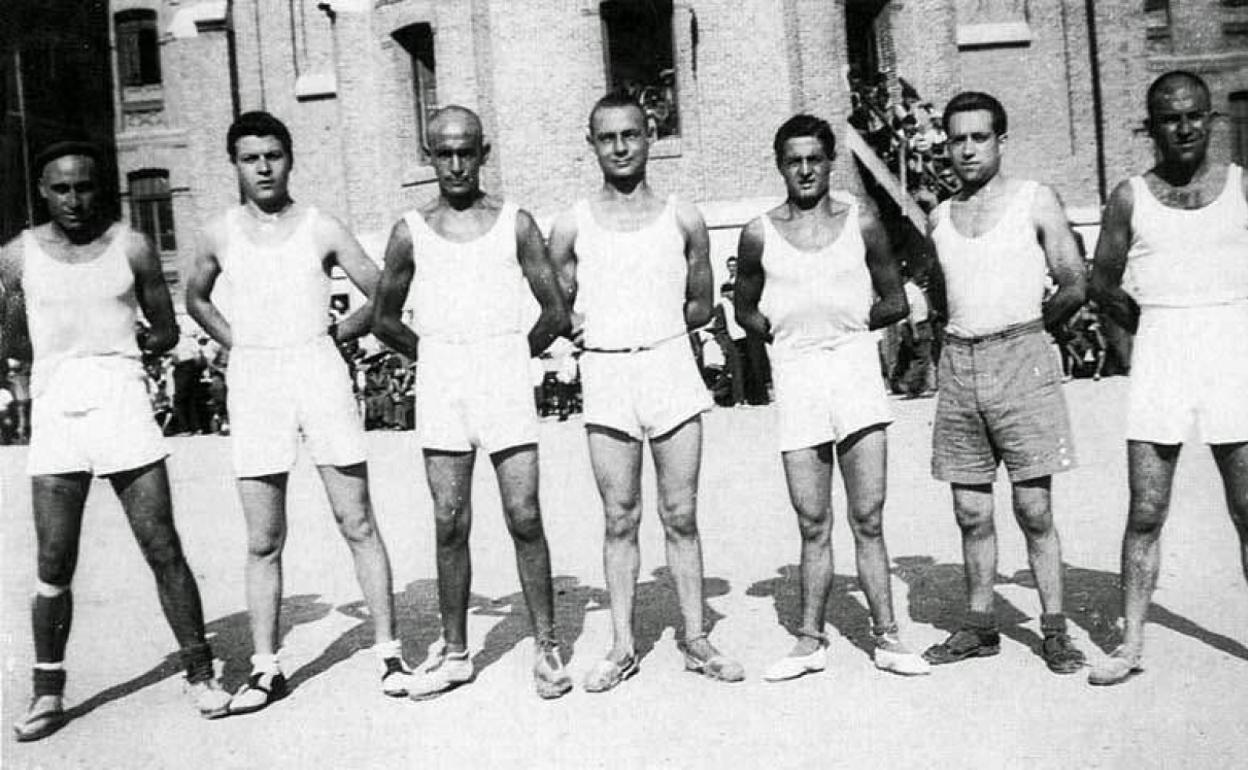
{"x": 355, "y": 80}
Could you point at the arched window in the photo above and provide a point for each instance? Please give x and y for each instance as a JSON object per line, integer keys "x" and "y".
{"x": 151, "y": 207}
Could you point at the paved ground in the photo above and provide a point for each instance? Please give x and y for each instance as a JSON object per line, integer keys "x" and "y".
{"x": 1009, "y": 711}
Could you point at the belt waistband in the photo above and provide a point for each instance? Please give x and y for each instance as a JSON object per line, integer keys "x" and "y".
{"x": 1009, "y": 332}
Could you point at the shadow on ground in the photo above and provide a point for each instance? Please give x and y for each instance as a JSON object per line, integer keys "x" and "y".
{"x": 845, "y": 613}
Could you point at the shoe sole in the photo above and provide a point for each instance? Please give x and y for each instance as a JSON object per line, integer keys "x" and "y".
{"x": 553, "y": 690}
{"x": 48, "y": 726}
{"x": 986, "y": 651}
{"x": 1116, "y": 680}
{"x": 797, "y": 675}
{"x": 419, "y": 697}
{"x": 1066, "y": 671}
{"x": 624, "y": 675}
{"x": 231, "y": 711}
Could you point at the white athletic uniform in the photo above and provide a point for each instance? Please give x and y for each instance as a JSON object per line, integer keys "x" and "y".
{"x": 467, "y": 304}
{"x": 90, "y": 408}
{"x": 631, "y": 289}
{"x": 824, "y": 362}
{"x": 285, "y": 376}
{"x": 1188, "y": 270}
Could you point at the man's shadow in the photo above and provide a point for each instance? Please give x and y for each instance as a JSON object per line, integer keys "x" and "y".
{"x": 230, "y": 637}
{"x": 850, "y": 618}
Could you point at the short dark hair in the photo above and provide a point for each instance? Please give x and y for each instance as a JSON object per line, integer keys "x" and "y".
{"x": 974, "y": 101}
{"x": 257, "y": 123}
{"x": 804, "y": 125}
{"x": 1164, "y": 80}
{"x": 63, "y": 148}
{"x": 614, "y": 98}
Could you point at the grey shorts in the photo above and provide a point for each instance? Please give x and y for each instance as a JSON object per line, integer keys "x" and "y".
{"x": 1000, "y": 401}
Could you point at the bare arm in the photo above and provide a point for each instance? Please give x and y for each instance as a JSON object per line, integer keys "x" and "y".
{"x": 205, "y": 269}
{"x": 699, "y": 285}
{"x": 891, "y": 305}
{"x": 1111, "y": 260}
{"x": 396, "y": 280}
{"x": 14, "y": 337}
{"x": 153, "y": 295}
{"x": 350, "y": 256}
{"x": 748, "y": 288}
{"x": 563, "y": 261}
{"x": 1062, "y": 254}
{"x": 538, "y": 271}
{"x": 925, "y": 268}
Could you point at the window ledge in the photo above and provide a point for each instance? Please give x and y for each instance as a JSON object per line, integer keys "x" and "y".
{"x": 148, "y": 98}
{"x": 316, "y": 85}
{"x": 991, "y": 35}
{"x": 667, "y": 147}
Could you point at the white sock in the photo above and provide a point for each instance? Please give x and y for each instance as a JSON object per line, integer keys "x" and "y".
{"x": 265, "y": 664}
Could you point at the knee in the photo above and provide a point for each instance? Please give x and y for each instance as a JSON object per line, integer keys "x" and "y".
{"x": 56, "y": 567}
{"x": 450, "y": 525}
{"x": 1034, "y": 521}
{"x": 358, "y": 529}
{"x": 866, "y": 519}
{"x": 266, "y": 545}
{"x": 622, "y": 519}
{"x": 814, "y": 522}
{"x": 974, "y": 522}
{"x": 524, "y": 521}
{"x": 1147, "y": 515}
{"x": 163, "y": 550}
{"x": 680, "y": 521}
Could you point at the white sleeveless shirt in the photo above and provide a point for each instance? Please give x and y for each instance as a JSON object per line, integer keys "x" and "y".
{"x": 816, "y": 299}
{"x": 464, "y": 291}
{"x": 996, "y": 280}
{"x": 631, "y": 285}
{"x": 278, "y": 294}
{"x": 79, "y": 311}
{"x": 1188, "y": 257}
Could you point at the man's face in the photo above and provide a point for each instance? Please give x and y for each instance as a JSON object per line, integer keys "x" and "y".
{"x": 458, "y": 154}
{"x": 1179, "y": 123}
{"x": 68, "y": 186}
{"x": 618, "y": 136}
{"x": 974, "y": 147}
{"x": 263, "y": 167}
{"x": 806, "y": 168}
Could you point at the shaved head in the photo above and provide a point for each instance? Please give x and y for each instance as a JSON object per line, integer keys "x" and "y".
{"x": 456, "y": 121}
{"x": 1176, "y": 80}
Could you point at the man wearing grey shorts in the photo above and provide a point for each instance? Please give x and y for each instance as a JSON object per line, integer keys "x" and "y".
{"x": 1000, "y": 393}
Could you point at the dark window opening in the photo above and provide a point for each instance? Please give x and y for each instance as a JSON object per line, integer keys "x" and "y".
{"x": 1239, "y": 127}
{"x": 138, "y": 48}
{"x": 151, "y": 207}
{"x": 641, "y": 61}
{"x": 417, "y": 40}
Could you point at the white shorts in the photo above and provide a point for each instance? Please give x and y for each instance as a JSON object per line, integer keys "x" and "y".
{"x": 94, "y": 416}
{"x": 1189, "y": 368}
{"x": 276, "y": 394}
{"x": 828, "y": 395}
{"x": 476, "y": 394}
{"x": 648, "y": 393}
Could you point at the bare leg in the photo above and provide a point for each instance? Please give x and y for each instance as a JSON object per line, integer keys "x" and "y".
{"x": 450, "y": 482}
{"x": 809, "y": 476}
{"x": 1232, "y": 461}
{"x": 616, "y": 460}
{"x": 677, "y": 460}
{"x": 1033, "y": 511}
{"x": 517, "y": 472}
{"x": 264, "y": 507}
{"x": 1151, "y": 473}
{"x": 347, "y": 488}
{"x": 972, "y": 506}
{"x": 864, "y": 463}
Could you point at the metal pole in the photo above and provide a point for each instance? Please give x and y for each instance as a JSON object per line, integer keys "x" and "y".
{"x": 21, "y": 116}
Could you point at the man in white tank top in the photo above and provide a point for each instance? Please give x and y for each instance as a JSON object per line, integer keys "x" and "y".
{"x": 70, "y": 290}
{"x": 637, "y": 270}
{"x": 809, "y": 275}
{"x": 286, "y": 378}
{"x": 464, "y": 264}
{"x": 1177, "y": 237}
{"x": 1000, "y": 397}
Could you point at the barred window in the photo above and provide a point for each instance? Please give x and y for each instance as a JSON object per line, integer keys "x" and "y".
{"x": 138, "y": 48}
{"x": 151, "y": 207}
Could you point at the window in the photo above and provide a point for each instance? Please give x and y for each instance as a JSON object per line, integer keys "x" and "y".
{"x": 1239, "y": 127}
{"x": 138, "y": 49}
{"x": 151, "y": 207}
{"x": 640, "y": 59}
{"x": 417, "y": 41}
{"x": 1157, "y": 18}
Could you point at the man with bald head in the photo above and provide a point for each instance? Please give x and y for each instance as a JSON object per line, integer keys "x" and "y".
{"x": 463, "y": 266}
{"x": 287, "y": 380}
{"x": 70, "y": 293}
{"x": 1172, "y": 265}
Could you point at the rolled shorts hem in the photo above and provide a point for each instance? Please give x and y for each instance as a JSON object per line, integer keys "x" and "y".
{"x": 110, "y": 470}
{"x": 815, "y": 440}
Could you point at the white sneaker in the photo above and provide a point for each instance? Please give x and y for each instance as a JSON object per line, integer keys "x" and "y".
{"x": 893, "y": 656}
{"x": 443, "y": 671}
{"x": 396, "y": 677}
{"x": 208, "y": 698}
{"x": 793, "y": 666}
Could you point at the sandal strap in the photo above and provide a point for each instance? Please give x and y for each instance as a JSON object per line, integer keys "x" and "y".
{"x": 810, "y": 633}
